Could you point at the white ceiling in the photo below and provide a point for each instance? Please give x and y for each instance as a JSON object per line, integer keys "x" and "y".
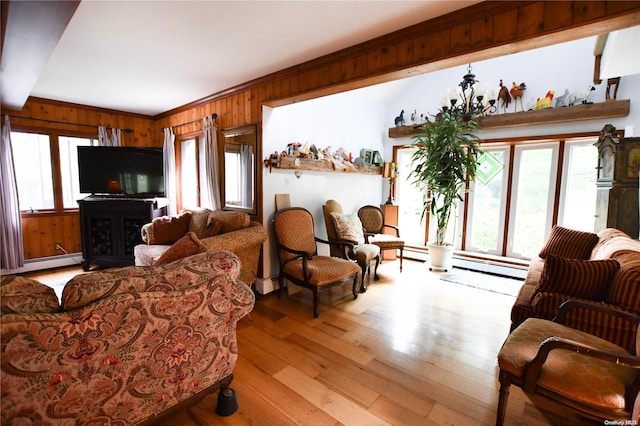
{"x": 149, "y": 57}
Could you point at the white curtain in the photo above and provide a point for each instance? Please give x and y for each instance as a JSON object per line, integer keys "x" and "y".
{"x": 170, "y": 171}
{"x": 105, "y": 140}
{"x": 211, "y": 162}
{"x": 246, "y": 176}
{"x": 12, "y": 249}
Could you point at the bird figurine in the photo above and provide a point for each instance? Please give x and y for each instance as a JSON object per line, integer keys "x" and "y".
{"x": 504, "y": 96}
{"x": 531, "y": 104}
{"x": 414, "y": 116}
{"x": 581, "y": 97}
{"x": 516, "y": 92}
{"x": 546, "y": 101}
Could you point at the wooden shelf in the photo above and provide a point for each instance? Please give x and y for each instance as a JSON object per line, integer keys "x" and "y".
{"x": 297, "y": 163}
{"x": 607, "y": 109}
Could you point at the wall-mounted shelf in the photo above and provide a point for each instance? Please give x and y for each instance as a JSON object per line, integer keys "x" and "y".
{"x": 297, "y": 163}
{"x": 609, "y": 109}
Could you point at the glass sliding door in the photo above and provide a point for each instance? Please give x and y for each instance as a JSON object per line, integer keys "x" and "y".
{"x": 412, "y": 228}
{"x": 487, "y": 202}
{"x": 532, "y": 198}
{"x": 577, "y": 207}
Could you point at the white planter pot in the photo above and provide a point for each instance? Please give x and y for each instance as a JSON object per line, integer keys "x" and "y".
{"x": 440, "y": 257}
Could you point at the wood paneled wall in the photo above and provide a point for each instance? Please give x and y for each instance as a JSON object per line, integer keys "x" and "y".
{"x": 482, "y": 31}
{"x": 42, "y": 231}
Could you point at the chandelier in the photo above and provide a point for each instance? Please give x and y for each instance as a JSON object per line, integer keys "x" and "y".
{"x": 469, "y": 99}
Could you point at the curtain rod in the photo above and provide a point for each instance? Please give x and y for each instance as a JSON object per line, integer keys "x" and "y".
{"x": 214, "y": 116}
{"x": 63, "y": 122}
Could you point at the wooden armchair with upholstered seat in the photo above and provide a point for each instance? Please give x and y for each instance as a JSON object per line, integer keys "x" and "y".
{"x": 374, "y": 225}
{"x": 344, "y": 228}
{"x": 595, "y": 377}
{"x": 299, "y": 260}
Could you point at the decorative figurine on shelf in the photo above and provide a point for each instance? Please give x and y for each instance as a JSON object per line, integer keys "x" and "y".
{"x": 516, "y": 92}
{"x": 414, "y": 116}
{"x": 546, "y": 101}
{"x": 581, "y": 97}
{"x": 562, "y": 100}
{"x": 504, "y": 96}
{"x": 400, "y": 119}
{"x": 531, "y": 104}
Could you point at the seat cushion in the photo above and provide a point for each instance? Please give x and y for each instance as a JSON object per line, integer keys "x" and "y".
{"x": 323, "y": 270}
{"x": 386, "y": 241}
{"x": 572, "y": 375}
{"x": 366, "y": 252}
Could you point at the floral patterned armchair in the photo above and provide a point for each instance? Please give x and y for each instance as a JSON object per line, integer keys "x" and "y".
{"x": 125, "y": 345}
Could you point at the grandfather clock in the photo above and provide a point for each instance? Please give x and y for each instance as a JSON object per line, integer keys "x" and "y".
{"x": 617, "y": 183}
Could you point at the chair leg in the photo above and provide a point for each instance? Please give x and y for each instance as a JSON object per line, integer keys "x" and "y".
{"x": 355, "y": 284}
{"x": 363, "y": 285}
{"x": 375, "y": 271}
{"x": 401, "y": 250}
{"x": 316, "y": 302}
{"x": 280, "y": 285}
{"x": 502, "y": 399}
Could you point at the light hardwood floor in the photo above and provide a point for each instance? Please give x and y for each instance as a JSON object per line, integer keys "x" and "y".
{"x": 412, "y": 350}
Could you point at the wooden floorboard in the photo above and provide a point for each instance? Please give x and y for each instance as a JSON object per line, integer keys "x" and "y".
{"x": 412, "y": 350}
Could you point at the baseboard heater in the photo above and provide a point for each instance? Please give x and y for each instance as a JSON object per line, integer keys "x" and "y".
{"x": 475, "y": 264}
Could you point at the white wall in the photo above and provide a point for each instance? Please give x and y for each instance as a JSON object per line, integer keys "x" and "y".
{"x": 343, "y": 120}
{"x": 564, "y": 66}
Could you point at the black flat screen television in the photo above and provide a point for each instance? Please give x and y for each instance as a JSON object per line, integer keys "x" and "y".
{"x": 125, "y": 171}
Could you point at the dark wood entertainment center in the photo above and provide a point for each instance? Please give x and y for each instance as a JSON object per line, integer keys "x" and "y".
{"x": 110, "y": 228}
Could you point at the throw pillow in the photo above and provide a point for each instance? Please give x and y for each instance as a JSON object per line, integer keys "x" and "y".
{"x": 185, "y": 246}
{"x": 169, "y": 229}
{"x": 20, "y": 295}
{"x": 229, "y": 220}
{"x": 585, "y": 279}
{"x": 569, "y": 243}
{"x": 348, "y": 227}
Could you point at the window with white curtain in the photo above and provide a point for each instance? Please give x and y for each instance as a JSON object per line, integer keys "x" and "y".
{"x": 191, "y": 165}
{"x": 37, "y": 159}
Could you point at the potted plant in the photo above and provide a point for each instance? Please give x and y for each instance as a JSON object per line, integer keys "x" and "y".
{"x": 447, "y": 152}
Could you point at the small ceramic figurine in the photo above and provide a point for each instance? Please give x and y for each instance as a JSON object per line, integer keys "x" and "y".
{"x": 516, "y": 92}
{"x": 581, "y": 97}
{"x": 562, "y": 100}
{"x": 400, "y": 119}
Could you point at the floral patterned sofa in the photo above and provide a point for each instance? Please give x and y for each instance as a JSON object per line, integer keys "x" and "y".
{"x": 215, "y": 229}
{"x": 125, "y": 344}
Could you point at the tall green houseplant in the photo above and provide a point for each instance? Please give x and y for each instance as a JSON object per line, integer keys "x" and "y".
{"x": 447, "y": 152}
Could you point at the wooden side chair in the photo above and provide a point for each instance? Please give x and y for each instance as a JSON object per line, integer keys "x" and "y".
{"x": 348, "y": 229}
{"x": 597, "y": 378}
{"x": 372, "y": 219}
{"x": 299, "y": 260}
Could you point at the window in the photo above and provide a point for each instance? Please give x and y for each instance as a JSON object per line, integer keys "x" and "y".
{"x": 512, "y": 213}
{"x": 191, "y": 168}
{"x": 34, "y": 173}
{"x": 68, "y": 147}
{"x": 43, "y": 162}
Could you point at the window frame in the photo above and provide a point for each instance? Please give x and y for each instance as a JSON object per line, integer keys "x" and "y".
{"x": 54, "y": 147}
